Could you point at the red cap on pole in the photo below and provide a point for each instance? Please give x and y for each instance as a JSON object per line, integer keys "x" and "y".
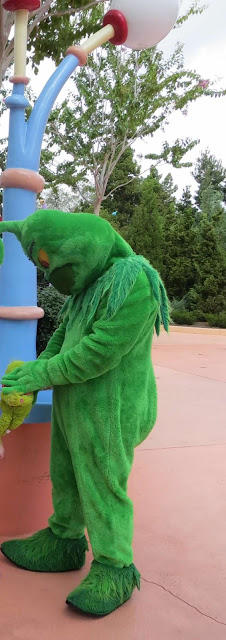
{"x": 15, "y": 5}
{"x": 119, "y": 24}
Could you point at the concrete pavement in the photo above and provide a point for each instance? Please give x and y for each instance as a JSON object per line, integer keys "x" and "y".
{"x": 178, "y": 485}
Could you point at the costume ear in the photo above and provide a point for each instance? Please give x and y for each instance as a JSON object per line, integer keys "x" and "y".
{"x": 13, "y": 227}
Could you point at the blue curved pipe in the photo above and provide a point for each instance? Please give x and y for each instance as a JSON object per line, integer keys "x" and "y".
{"x": 18, "y": 278}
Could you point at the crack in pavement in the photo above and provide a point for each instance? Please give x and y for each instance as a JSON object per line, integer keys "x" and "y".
{"x": 156, "y": 584}
{"x": 184, "y": 446}
{"x": 189, "y": 373}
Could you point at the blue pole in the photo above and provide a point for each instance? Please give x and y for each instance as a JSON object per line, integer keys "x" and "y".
{"x": 18, "y": 280}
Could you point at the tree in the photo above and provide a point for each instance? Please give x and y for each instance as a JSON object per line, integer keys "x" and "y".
{"x": 119, "y": 97}
{"x": 181, "y": 249}
{"x": 50, "y": 30}
{"x": 210, "y": 175}
{"x": 146, "y": 231}
{"x": 209, "y": 292}
{"x": 125, "y": 189}
{"x": 59, "y": 198}
{"x": 53, "y": 27}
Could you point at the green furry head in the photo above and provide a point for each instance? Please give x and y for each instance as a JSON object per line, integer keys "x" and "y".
{"x": 84, "y": 257}
{"x": 79, "y": 247}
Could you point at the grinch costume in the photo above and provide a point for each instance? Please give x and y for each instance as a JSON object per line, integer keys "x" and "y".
{"x": 104, "y": 398}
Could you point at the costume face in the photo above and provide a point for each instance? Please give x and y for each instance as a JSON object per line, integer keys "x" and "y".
{"x": 72, "y": 250}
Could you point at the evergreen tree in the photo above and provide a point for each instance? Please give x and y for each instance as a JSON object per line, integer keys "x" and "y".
{"x": 210, "y": 175}
{"x": 168, "y": 218}
{"x": 145, "y": 234}
{"x": 180, "y": 249}
{"x": 209, "y": 292}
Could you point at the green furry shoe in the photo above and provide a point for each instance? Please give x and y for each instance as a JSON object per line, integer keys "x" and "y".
{"x": 46, "y": 552}
{"x": 104, "y": 589}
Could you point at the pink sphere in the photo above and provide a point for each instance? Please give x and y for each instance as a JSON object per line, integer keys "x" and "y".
{"x": 149, "y": 21}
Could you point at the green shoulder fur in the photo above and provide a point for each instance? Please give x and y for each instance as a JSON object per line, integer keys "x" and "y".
{"x": 118, "y": 281}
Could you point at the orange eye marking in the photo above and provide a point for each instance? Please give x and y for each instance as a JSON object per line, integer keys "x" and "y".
{"x": 43, "y": 258}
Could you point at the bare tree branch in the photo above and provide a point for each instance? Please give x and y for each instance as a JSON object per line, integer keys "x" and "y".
{"x": 42, "y": 15}
{"x": 58, "y": 14}
{"x": 39, "y": 16}
{"x": 124, "y": 184}
{"x": 116, "y": 160}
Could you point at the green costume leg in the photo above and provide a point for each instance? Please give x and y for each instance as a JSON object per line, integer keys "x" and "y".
{"x": 61, "y": 547}
{"x": 67, "y": 520}
{"x": 102, "y": 462}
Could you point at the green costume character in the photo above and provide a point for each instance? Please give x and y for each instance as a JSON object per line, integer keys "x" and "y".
{"x": 104, "y": 398}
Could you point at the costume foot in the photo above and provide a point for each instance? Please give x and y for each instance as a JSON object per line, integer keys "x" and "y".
{"x": 46, "y": 552}
{"x": 104, "y": 589}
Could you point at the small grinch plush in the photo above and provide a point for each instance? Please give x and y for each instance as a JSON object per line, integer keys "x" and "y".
{"x": 15, "y": 407}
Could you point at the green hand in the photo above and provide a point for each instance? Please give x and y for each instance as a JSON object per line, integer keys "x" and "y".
{"x": 31, "y": 376}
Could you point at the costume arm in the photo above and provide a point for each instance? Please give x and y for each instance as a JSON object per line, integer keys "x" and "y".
{"x": 109, "y": 340}
{"x": 53, "y": 347}
{"x": 55, "y": 343}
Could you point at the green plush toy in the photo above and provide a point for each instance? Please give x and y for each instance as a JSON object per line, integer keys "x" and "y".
{"x": 15, "y": 408}
{"x": 104, "y": 398}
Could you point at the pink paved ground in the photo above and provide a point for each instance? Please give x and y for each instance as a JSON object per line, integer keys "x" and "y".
{"x": 178, "y": 485}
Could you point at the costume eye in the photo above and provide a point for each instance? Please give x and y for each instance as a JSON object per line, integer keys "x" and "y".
{"x": 43, "y": 258}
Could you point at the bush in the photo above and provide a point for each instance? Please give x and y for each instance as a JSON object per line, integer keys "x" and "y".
{"x": 179, "y": 305}
{"x": 216, "y": 320}
{"x": 183, "y": 317}
{"x": 51, "y": 301}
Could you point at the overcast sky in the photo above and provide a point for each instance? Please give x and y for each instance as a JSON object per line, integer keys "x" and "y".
{"x": 204, "y": 39}
{"x": 205, "y": 52}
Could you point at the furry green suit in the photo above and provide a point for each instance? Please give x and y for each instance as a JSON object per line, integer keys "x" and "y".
{"x": 104, "y": 398}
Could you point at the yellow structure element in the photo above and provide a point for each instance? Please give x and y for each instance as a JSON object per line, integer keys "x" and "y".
{"x": 20, "y": 42}
{"x": 15, "y": 407}
{"x": 100, "y": 37}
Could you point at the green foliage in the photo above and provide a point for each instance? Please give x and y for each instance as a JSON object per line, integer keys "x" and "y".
{"x": 145, "y": 233}
{"x": 120, "y": 96}
{"x": 64, "y": 23}
{"x": 210, "y": 286}
{"x": 51, "y": 30}
{"x": 178, "y": 305}
{"x": 180, "y": 248}
{"x": 55, "y": 26}
{"x": 210, "y": 175}
{"x": 51, "y": 301}
{"x": 217, "y": 320}
{"x": 110, "y": 218}
{"x": 180, "y": 240}
{"x": 183, "y": 317}
{"x": 124, "y": 189}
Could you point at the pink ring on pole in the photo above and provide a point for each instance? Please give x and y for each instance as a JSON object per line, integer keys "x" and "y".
{"x": 22, "y": 179}
{"x": 119, "y": 24}
{"x": 79, "y": 53}
{"x": 19, "y": 80}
